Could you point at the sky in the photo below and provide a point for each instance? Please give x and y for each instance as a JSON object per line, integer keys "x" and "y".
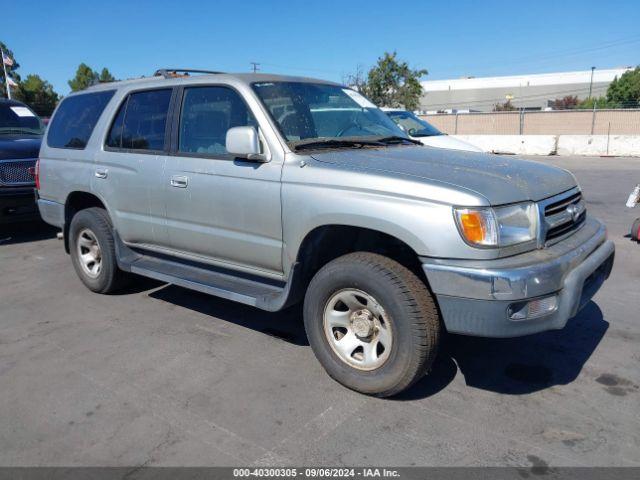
{"x": 325, "y": 39}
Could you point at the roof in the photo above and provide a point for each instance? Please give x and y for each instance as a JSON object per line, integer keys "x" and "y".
{"x": 538, "y": 79}
{"x": 247, "y": 78}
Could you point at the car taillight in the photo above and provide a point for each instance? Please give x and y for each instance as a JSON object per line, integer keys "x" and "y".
{"x": 37, "y": 174}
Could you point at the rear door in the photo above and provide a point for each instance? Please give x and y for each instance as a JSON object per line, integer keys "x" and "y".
{"x": 129, "y": 169}
{"x": 220, "y": 209}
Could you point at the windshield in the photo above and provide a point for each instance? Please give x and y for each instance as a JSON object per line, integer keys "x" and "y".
{"x": 19, "y": 119}
{"x": 414, "y": 125}
{"x": 315, "y": 114}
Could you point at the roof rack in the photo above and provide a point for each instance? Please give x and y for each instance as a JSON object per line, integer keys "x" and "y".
{"x": 176, "y": 72}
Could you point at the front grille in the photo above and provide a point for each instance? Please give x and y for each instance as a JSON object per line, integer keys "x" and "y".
{"x": 560, "y": 205}
{"x": 566, "y": 227}
{"x": 563, "y": 216}
{"x": 16, "y": 172}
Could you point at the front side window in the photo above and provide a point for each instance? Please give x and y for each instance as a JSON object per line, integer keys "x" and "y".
{"x": 414, "y": 125}
{"x": 76, "y": 118}
{"x": 141, "y": 121}
{"x": 207, "y": 113}
{"x": 310, "y": 112}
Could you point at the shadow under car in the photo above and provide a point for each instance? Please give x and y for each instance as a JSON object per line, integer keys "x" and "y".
{"x": 512, "y": 366}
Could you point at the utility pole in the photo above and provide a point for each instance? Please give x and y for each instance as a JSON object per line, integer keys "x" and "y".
{"x": 255, "y": 66}
{"x": 591, "y": 82}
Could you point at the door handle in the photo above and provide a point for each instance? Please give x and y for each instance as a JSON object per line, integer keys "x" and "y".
{"x": 179, "y": 181}
{"x": 101, "y": 172}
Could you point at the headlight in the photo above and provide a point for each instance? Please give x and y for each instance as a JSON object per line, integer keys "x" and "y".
{"x": 497, "y": 226}
{"x": 516, "y": 223}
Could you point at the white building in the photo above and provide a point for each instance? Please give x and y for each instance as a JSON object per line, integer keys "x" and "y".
{"x": 532, "y": 92}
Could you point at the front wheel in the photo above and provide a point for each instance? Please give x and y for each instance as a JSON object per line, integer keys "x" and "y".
{"x": 371, "y": 323}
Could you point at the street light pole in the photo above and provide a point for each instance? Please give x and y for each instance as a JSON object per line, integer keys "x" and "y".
{"x": 591, "y": 82}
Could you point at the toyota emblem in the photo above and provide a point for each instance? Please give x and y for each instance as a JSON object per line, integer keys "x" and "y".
{"x": 574, "y": 211}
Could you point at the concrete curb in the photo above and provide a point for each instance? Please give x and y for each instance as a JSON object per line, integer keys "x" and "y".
{"x": 592, "y": 145}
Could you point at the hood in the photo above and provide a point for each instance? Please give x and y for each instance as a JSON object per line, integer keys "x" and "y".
{"x": 17, "y": 147}
{"x": 445, "y": 141}
{"x": 497, "y": 178}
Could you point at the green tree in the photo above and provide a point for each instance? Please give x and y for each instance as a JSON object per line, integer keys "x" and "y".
{"x": 624, "y": 92}
{"x": 597, "y": 102}
{"x": 392, "y": 83}
{"x": 38, "y": 94}
{"x": 11, "y": 70}
{"x": 85, "y": 77}
{"x": 105, "y": 76}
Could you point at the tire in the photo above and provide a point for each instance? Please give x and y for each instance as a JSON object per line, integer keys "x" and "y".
{"x": 635, "y": 230}
{"x": 397, "y": 301}
{"x": 94, "y": 226}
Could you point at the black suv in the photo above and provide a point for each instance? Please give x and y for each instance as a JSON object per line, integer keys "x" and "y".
{"x": 20, "y": 136}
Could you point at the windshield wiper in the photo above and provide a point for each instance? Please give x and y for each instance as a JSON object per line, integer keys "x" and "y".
{"x": 422, "y": 135}
{"x": 353, "y": 142}
{"x": 334, "y": 143}
{"x": 396, "y": 139}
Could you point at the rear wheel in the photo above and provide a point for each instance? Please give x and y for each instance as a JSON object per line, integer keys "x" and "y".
{"x": 92, "y": 249}
{"x": 372, "y": 323}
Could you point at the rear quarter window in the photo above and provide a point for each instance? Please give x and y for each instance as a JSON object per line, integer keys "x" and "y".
{"x": 76, "y": 118}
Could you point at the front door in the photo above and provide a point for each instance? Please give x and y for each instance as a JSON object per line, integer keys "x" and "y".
{"x": 219, "y": 208}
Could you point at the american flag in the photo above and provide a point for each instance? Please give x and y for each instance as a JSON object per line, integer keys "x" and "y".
{"x": 7, "y": 60}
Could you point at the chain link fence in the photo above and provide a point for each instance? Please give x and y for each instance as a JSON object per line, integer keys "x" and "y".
{"x": 554, "y": 122}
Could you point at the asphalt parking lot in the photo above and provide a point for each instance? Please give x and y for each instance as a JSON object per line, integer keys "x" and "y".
{"x": 160, "y": 375}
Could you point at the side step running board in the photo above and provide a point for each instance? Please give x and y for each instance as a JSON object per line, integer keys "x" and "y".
{"x": 206, "y": 279}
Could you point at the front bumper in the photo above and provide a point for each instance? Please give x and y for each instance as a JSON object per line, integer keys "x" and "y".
{"x": 475, "y": 296}
{"x": 17, "y": 204}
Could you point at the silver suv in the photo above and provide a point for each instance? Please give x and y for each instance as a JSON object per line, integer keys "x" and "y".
{"x": 272, "y": 190}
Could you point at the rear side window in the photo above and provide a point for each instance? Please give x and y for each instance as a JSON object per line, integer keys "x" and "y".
{"x": 114, "y": 139}
{"x": 76, "y": 118}
{"x": 141, "y": 121}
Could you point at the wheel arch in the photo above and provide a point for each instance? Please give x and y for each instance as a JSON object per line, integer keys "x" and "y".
{"x": 327, "y": 242}
{"x": 76, "y": 201}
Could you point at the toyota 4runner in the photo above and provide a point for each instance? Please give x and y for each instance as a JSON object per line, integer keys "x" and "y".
{"x": 270, "y": 190}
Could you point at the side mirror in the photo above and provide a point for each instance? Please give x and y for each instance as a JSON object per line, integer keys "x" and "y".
{"x": 244, "y": 142}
